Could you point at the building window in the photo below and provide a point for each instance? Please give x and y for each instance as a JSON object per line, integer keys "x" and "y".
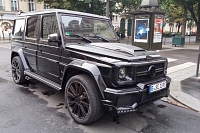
{"x": 14, "y": 6}
{"x": 46, "y": 6}
{"x": 1, "y": 6}
{"x": 31, "y": 5}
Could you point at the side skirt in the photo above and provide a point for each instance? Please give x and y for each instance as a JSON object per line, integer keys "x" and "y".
{"x": 43, "y": 80}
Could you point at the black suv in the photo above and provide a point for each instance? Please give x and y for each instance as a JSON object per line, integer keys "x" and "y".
{"x": 81, "y": 54}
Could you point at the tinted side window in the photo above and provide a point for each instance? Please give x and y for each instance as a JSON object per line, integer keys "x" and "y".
{"x": 19, "y": 27}
{"x": 49, "y": 26}
{"x": 32, "y": 27}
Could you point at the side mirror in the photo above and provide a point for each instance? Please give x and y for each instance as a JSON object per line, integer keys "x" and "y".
{"x": 53, "y": 37}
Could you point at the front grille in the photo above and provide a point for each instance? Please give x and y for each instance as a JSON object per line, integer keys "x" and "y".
{"x": 141, "y": 72}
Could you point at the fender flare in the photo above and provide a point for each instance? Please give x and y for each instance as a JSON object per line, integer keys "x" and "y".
{"x": 89, "y": 68}
{"x": 22, "y": 57}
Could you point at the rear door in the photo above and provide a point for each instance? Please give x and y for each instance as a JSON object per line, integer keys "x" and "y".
{"x": 31, "y": 41}
{"x": 48, "y": 56}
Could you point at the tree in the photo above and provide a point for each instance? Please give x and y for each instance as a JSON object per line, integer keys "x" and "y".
{"x": 174, "y": 13}
{"x": 89, "y": 6}
{"x": 194, "y": 8}
{"x": 58, "y": 4}
{"x": 127, "y": 5}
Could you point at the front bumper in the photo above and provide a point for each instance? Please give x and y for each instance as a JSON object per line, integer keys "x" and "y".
{"x": 127, "y": 99}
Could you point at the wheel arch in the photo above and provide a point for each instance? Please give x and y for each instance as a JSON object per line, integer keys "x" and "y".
{"x": 19, "y": 52}
{"x": 86, "y": 68}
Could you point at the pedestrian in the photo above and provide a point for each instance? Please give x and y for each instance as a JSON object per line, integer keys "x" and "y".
{"x": 9, "y": 33}
{"x": 3, "y": 33}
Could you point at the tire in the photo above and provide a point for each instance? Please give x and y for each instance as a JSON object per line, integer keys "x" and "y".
{"x": 18, "y": 71}
{"x": 82, "y": 99}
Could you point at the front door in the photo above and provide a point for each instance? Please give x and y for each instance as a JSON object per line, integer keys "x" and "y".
{"x": 48, "y": 56}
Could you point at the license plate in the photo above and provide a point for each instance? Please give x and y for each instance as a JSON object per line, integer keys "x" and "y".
{"x": 157, "y": 87}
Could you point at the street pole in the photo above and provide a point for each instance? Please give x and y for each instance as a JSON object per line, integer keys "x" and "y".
{"x": 107, "y": 8}
{"x": 197, "y": 71}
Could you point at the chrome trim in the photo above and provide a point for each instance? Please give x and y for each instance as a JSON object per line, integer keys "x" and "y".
{"x": 150, "y": 62}
{"x": 122, "y": 91}
{"x": 29, "y": 53}
{"x": 145, "y": 72}
{"x": 51, "y": 60}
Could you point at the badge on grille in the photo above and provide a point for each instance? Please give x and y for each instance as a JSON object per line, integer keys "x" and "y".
{"x": 151, "y": 71}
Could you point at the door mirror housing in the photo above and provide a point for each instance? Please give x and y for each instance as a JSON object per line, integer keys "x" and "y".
{"x": 54, "y": 39}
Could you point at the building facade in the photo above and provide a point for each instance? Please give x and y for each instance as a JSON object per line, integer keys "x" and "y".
{"x": 124, "y": 24}
{"x": 8, "y": 10}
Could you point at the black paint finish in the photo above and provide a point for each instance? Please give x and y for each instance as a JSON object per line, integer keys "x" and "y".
{"x": 59, "y": 59}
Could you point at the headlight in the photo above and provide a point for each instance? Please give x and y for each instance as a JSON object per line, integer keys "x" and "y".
{"x": 122, "y": 73}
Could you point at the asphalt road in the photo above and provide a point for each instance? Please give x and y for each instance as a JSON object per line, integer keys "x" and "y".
{"x": 35, "y": 107}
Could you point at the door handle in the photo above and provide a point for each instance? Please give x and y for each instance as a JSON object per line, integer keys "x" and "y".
{"x": 40, "y": 52}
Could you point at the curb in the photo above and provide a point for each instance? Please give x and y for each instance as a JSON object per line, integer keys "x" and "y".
{"x": 185, "y": 99}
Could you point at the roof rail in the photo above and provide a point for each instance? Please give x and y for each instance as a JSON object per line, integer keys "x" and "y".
{"x": 19, "y": 12}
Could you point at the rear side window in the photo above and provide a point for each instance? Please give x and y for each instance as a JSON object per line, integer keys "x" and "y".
{"x": 32, "y": 27}
{"x": 19, "y": 27}
{"x": 49, "y": 26}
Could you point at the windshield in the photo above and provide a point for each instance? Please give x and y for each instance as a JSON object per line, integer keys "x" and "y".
{"x": 87, "y": 27}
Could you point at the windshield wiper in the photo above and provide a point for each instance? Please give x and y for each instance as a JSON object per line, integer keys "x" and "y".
{"x": 84, "y": 38}
{"x": 103, "y": 39}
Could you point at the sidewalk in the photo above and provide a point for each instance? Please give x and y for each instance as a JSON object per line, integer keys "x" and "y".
{"x": 185, "y": 87}
{"x": 4, "y": 41}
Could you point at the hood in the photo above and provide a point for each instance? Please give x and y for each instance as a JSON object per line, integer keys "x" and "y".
{"x": 114, "y": 51}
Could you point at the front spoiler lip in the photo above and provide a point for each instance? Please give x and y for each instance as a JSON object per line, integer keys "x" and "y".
{"x": 140, "y": 89}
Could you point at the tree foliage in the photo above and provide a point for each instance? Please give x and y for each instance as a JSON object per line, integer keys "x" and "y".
{"x": 94, "y": 6}
{"x": 126, "y": 5}
{"x": 193, "y": 7}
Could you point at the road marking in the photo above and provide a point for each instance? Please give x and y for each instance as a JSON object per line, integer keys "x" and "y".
{"x": 180, "y": 67}
{"x": 171, "y": 59}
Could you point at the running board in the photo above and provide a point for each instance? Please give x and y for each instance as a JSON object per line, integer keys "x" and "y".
{"x": 43, "y": 80}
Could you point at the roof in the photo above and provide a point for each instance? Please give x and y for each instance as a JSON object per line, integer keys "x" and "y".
{"x": 61, "y": 11}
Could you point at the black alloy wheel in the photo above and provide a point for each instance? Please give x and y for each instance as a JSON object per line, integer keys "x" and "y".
{"x": 18, "y": 71}
{"x": 78, "y": 100}
{"x": 82, "y": 99}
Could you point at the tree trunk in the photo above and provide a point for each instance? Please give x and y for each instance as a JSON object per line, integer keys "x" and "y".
{"x": 178, "y": 29}
{"x": 184, "y": 21}
{"x": 198, "y": 33}
{"x": 198, "y": 24}
{"x": 107, "y": 8}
